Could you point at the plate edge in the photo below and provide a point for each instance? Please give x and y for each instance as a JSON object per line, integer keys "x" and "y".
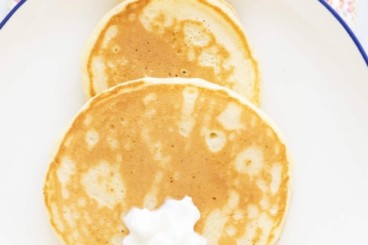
{"x": 347, "y": 29}
{"x": 10, "y": 14}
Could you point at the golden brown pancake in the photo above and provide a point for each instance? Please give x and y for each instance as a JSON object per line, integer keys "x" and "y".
{"x": 142, "y": 142}
{"x": 171, "y": 38}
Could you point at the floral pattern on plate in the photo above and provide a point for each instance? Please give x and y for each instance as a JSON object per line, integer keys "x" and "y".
{"x": 346, "y": 9}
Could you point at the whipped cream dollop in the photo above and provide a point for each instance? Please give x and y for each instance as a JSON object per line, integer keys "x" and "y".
{"x": 171, "y": 224}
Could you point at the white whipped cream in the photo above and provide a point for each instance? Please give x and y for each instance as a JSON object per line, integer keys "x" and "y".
{"x": 171, "y": 224}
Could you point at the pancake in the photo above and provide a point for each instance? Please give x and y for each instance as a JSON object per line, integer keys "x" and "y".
{"x": 170, "y": 38}
{"x": 142, "y": 142}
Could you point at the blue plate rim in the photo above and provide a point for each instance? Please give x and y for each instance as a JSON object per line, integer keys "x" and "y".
{"x": 347, "y": 29}
{"x": 10, "y": 14}
{"x": 323, "y": 2}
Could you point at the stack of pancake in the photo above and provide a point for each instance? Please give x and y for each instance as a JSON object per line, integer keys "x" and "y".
{"x": 174, "y": 89}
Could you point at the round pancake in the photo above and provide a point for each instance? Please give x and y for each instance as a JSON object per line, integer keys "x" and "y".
{"x": 139, "y": 143}
{"x": 170, "y": 38}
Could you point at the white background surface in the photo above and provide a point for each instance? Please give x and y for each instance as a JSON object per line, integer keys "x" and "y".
{"x": 317, "y": 95}
{"x": 361, "y": 22}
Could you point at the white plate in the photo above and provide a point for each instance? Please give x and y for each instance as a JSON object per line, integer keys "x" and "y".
{"x": 315, "y": 87}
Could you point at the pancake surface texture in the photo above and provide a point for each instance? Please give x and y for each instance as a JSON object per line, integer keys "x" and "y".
{"x": 170, "y": 38}
{"x": 142, "y": 142}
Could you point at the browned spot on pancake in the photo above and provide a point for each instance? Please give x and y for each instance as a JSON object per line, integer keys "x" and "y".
{"x": 193, "y": 169}
{"x": 164, "y": 51}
